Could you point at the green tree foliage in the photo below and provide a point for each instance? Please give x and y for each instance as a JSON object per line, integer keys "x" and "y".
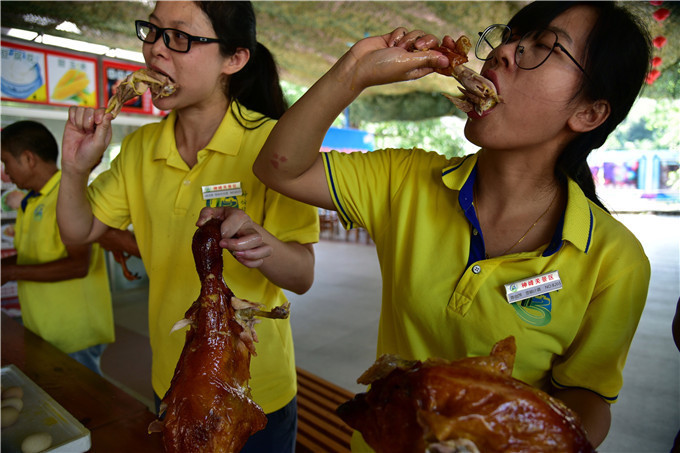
{"x": 432, "y": 135}
{"x": 651, "y": 124}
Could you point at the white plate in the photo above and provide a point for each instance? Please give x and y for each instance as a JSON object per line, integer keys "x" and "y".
{"x": 41, "y": 413}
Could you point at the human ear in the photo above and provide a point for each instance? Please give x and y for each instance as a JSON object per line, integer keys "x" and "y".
{"x": 237, "y": 61}
{"x": 590, "y": 116}
{"x": 27, "y": 158}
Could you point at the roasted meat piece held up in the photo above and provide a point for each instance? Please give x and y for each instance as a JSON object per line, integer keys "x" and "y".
{"x": 478, "y": 93}
{"x": 136, "y": 84}
{"x": 208, "y": 407}
{"x": 468, "y": 405}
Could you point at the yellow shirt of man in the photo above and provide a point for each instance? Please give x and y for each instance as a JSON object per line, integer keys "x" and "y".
{"x": 70, "y": 314}
{"x": 150, "y": 186}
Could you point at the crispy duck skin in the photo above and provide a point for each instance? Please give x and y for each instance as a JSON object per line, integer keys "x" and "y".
{"x": 208, "y": 407}
{"x": 456, "y": 56}
{"x": 468, "y": 405}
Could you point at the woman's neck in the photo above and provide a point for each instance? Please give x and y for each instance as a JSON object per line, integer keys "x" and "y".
{"x": 508, "y": 176}
{"x": 518, "y": 201}
{"x": 194, "y": 128}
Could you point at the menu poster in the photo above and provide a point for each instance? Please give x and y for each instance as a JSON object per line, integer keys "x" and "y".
{"x": 72, "y": 80}
{"x": 23, "y": 73}
{"x": 114, "y": 74}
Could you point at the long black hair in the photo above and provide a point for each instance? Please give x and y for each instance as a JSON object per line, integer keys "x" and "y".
{"x": 256, "y": 86}
{"x": 617, "y": 59}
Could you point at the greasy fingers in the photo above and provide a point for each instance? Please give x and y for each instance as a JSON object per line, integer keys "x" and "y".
{"x": 248, "y": 242}
{"x": 87, "y": 133}
{"x": 395, "y": 37}
{"x": 209, "y": 213}
{"x": 82, "y": 118}
{"x": 415, "y": 40}
{"x": 449, "y": 42}
{"x": 250, "y": 250}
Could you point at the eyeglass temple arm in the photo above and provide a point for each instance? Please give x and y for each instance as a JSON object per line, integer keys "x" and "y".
{"x": 566, "y": 52}
{"x": 481, "y": 33}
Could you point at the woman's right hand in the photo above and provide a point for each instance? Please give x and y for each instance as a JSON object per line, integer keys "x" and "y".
{"x": 290, "y": 162}
{"x": 397, "y": 56}
{"x": 87, "y": 134}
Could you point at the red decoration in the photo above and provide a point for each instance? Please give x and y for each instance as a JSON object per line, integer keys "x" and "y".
{"x": 652, "y": 76}
{"x": 661, "y": 14}
{"x": 656, "y": 62}
{"x": 659, "y": 41}
{"x": 655, "y": 3}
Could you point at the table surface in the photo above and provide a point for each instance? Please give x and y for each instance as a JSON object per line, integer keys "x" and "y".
{"x": 116, "y": 420}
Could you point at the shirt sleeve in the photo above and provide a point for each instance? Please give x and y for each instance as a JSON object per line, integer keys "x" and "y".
{"x": 108, "y": 195}
{"x": 363, "y": 185}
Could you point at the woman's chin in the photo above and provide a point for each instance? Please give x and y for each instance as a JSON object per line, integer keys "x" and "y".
{"x": 165, "y": 104}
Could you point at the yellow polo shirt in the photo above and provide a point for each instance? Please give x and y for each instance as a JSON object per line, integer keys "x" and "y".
{"x": 150, "y": 186}
{"x": 70, "y": 314}
{"x": 442, "y": 298}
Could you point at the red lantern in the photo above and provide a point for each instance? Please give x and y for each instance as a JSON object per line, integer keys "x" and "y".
{"x": 659, "y": 41}
{"x": 652, "y": 76}
{"x": 661, "y": 14}
{"x": 655, "y": 3}
{"x": 656, "y": 62}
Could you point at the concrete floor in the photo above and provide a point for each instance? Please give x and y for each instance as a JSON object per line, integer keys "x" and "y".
{"x": 335, "y": 330}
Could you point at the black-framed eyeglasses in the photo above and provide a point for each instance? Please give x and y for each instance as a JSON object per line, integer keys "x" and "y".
{"x": 174, "y": 39}
{"x": 533, "y": 49}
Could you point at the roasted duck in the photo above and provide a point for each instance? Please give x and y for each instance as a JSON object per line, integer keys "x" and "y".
{"x": 479, "y": 93}
{"x": 469, "y": 405}
{"x": 136, "y": 84}
{"x": 208, "y": 407}
{"x": 121, "y": 258}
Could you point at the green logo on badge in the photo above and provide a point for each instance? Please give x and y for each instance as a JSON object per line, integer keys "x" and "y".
{"x": 232, "y": 202}
{"x": 536, "y": 310}
{"x": 38, "y": 213}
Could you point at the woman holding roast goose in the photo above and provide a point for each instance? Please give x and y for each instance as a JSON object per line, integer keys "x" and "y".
{"x": 227, "y": 98}
{"x": 511, "y": 240}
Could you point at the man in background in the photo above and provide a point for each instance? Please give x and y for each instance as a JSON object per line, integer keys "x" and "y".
{"x": 63, "y": 290}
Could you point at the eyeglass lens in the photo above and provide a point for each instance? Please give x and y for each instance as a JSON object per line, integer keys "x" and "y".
{"x": 492, "y": 37}
{"x": 532, "y": 50}
{"x": 173, "y": 39}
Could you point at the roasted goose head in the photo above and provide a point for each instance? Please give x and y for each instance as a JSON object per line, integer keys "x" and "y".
{"x": 208, "y": 407}
{"x": 468, "y": 405}
{"x": 136, "y": 84}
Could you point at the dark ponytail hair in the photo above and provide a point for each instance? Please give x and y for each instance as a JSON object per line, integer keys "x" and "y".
{"x": 618, "y": 55}
{"x": 256, "y": 86}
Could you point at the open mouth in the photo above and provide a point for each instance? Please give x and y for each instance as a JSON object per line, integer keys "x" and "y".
{"x": 158, "y": 71}
{"x": 479, "y": 94}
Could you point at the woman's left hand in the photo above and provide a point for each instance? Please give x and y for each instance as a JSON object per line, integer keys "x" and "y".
{"x": 240, "y": 235}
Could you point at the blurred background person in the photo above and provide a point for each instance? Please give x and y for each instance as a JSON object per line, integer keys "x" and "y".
{"x": 63, "y": 290}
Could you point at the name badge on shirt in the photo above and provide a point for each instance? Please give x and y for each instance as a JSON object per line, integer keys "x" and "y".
{"x": 533, "y": 286}
{"x": 231, "y": 189}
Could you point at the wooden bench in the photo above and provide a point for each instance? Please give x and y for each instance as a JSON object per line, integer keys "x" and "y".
{"x": 319, "y": 428}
